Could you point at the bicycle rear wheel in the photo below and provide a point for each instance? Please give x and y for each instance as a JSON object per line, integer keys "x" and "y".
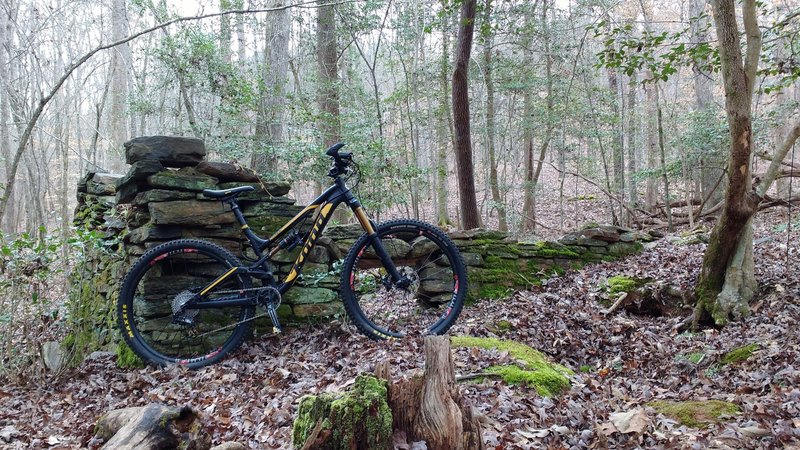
{"x": 149, "y": 306}
{"x": 435, "y": 274}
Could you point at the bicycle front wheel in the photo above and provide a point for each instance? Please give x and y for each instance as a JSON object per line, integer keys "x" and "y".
{"x": 427, "y": 302}
{"x": 150, "y": 313}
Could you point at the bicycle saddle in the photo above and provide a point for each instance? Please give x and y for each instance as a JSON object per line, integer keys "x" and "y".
{"x": 219, "y": 193}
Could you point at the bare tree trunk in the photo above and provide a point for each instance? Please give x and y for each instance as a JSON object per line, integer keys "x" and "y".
{"x": 724, "y": 263}
{"x": 120, "y": 70}
{"x": 470, "y": 217}
{"x": 711, "y": 166}
{"x": 444, "y": 134}
{"x": 633, "y": 121}
{"x": 241, "y": 49}
{"x": 651, "y": 190}
{"x": 6, "y": 45}
{"x": 662, "y": 155}
{"x": 225, "y": 35}
{"x": 328, "y": 92}
{"x": 491, "y": 127}
{"x": 617, "y": 149}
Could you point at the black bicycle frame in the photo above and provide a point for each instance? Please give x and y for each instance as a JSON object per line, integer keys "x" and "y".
{"x": 324, "y": 205}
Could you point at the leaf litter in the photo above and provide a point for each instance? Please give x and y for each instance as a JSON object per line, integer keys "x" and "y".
{"x": 622, "y": 363}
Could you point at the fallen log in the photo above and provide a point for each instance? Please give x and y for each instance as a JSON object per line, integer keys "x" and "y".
{"x": 153, "y": 427}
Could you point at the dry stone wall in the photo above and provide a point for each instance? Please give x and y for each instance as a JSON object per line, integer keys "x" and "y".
{"x": 160, "y": 199}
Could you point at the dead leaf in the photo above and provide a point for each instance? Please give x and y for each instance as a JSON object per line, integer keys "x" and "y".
{"x": 633, "y": 421}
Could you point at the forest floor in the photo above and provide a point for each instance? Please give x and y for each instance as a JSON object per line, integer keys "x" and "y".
{"x": 622, "y": 363}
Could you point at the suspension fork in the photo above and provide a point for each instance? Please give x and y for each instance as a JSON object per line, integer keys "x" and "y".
{"x": 377, "y": 244}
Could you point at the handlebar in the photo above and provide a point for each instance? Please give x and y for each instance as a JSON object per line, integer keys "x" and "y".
{"x": 333, "y": 152}
{"x": 340, "y": 160}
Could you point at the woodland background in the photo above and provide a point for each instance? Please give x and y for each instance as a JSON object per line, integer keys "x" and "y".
{"x": 570, "y": 88}
{"x": 604, "y": 111}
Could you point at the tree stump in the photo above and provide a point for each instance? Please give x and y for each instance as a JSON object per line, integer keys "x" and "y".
{"x": 426, "y": 408}
{"x": 430, "y": 408}
{"x": 153, "y": 427}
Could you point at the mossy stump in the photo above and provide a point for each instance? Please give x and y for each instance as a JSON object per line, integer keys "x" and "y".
{"x": 358, "y": 419}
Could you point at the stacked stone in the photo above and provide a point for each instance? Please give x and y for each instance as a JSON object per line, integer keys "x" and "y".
{"x": 164, "y": 188}
{"x": 160, "y": 198}
{"x": 96, "y": 201}
{"x": 96, "y": 277}
{"x": 497, "y": 264}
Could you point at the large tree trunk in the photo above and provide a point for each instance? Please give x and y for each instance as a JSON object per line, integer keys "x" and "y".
{"x": 269, "y": 123}
{"x": 651, "y": 189}
{"x": 6, "y": 45}
{"x": 152, "y": 427}
{"x": 328, "y": 91}
{"x": 470, "y": 218}
{"x": 724, "y": 261}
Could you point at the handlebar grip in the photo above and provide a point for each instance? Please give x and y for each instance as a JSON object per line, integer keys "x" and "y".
{"x": 334, "y": 149}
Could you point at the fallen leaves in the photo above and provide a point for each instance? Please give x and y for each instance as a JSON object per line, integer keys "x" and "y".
{"x": 622, "y": 362}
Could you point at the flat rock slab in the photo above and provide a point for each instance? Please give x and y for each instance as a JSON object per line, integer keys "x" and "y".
{"x": 103, "y": 184}
{"x": 172, "y": 151}
{"x": 189, "y": 212}
{"x": 225, "y": 172}
{"x": 184, "y": 180}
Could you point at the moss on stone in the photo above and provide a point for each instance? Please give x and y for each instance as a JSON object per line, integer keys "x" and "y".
{"x": 696, "y": 414}
{"x": 536, "y": 371}
{"x": 552, "y": 250}
{"x": 127, "y": 359}
{"x": 359, "y": 418}
{"x": 738, "y": 354}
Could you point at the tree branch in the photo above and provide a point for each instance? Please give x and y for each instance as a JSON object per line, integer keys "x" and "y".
{"x": 780, "y": 154}
{"x": 753, "y": 34}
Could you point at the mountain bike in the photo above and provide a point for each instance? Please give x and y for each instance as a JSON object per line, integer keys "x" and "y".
{"x": 191, "y": 302}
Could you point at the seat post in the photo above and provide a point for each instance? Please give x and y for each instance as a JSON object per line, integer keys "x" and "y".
{"x": 255, "y": 242}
